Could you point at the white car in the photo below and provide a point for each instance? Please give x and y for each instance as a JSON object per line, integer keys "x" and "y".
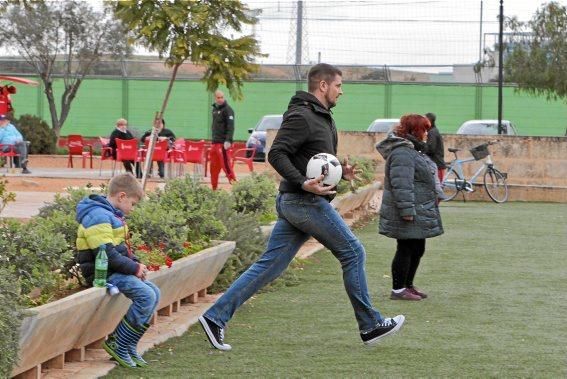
{"x": 257, "y": 139}
{"x": 383, "y": 125}
{"x": 487, "y": 127}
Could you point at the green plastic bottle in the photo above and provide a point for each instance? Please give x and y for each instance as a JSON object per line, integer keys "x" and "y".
{"x": 101, "y": 267}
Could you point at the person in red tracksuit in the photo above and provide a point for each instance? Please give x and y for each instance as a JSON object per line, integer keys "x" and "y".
{"x": 223, "y": 130}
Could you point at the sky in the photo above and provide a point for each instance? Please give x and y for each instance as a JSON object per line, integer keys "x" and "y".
{"x": 433, "y": 33}
{"x": 378, "y": 32}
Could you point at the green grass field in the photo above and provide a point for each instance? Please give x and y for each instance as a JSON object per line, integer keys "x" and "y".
{"x": 498, "y": 298}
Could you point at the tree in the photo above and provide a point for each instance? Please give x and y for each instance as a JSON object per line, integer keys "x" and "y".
{"x": 538, "y": 52}
{"x": 181, "y": 30}
{"x": 60, "y": 39}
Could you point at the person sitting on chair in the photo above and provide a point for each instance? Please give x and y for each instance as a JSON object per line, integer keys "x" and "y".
{"x": 9, "y": 135}
{"x": 163, "y": 133}
{"x": 121, "y": 132}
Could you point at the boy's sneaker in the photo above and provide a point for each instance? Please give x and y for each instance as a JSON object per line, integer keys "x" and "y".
{"x": 417, "y": 292}
{"x": 406, "y": 294}
{"x": 386, "y": 327}
{"x": 214, "y": 333}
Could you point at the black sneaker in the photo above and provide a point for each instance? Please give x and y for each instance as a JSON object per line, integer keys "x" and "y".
{"x": 386, "y": 327}
{"x": 214, "y": 333}
{"x": 26, "y": 171}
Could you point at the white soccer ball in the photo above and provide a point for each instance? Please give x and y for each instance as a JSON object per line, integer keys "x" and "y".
{"x": 325, "y": 164}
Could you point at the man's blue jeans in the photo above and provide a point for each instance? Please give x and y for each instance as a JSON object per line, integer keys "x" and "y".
{"x": 302, "y": 215}
{"x": 144, "y": 295}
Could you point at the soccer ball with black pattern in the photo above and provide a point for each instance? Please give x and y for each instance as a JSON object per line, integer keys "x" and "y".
{"x": 325, "y": 164}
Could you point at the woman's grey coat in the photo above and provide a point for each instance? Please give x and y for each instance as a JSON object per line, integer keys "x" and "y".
{"x": 409, "y": 190}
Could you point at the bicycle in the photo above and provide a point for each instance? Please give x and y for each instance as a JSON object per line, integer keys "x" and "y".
{"x": 494, "y": 181}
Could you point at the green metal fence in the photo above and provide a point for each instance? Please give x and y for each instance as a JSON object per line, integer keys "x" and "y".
{"x": 101, "y": 101}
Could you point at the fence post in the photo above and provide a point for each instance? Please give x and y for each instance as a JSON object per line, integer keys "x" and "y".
{"x": 478, "y": 101}
{"x": 387, "y": 93}
{"x": 125, "y": 92}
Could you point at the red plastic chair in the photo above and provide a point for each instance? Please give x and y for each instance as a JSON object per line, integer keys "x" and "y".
{"x": 245, "y": 156}
{"x": 196, "y": 153}
{"x": 10, "y": 152}
{"x": 105, "y": 153}
{"x": 127, "y": 150}
{"x": 76, "y": 146}
{"x": 177, "y": 155}
{"x": 161, "y": 151}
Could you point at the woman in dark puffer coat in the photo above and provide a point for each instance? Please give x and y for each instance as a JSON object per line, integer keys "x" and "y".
{"x": 409, "y": 211}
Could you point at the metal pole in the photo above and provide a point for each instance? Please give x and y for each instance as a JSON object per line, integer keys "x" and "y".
{"x": 500, "y": 65}
{"x": 480, "y": 35}
{"x": 299, "y": 33}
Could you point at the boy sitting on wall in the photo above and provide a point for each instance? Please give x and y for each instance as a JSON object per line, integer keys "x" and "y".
{"x": 101, "y": 220}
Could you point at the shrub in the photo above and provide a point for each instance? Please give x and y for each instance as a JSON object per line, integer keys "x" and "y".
{"x": 42, "y": 138}
{"x": 155, "y": 226}
{"x": 35, "y": 253}
{"x": 5, "y": 197}
{"x": 196, "y": 203}
{"x": 245, "y": 230}
{"x": 367, "y": 174}
{"x": 255, "y": 194}
{"x": 10, "y": 321}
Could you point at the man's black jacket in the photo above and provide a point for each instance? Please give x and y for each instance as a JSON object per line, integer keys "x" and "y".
{"x": 162, "y": 133}
{"x": 434, "y": 147}
{"x": 223, "y": 123}
{"x": 307, "y": 129}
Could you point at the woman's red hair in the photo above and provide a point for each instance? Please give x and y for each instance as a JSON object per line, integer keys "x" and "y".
{"x": 413, "y": 124}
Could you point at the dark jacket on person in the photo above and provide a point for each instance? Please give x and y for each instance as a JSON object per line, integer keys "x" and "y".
{"x": 307, "y": 129}
{"x": 102, "y": 224}
{"x": 434, "y": 147}
{"x": 162, "y": 133}
{"x": 409, "y": 190}
{"x": 223, "y": 123}
{"x": 117, "y": 133}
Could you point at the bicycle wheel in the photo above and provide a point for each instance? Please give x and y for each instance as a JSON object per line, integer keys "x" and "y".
{"x": 495, "y": 185}
{"x": 451, "y": 185}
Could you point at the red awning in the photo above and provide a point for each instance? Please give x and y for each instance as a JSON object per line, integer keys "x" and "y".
{"x": 19, "y": 80}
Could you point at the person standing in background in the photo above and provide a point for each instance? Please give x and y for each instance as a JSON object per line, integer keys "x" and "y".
{"x": 121, "y": 132}
{"x": 409, "y": 211}
{"x": 223, "y": 131}
{"x": 434, "y": 148}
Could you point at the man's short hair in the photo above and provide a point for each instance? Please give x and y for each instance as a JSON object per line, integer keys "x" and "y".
{"x": 319, "y": 72}
{"x": 126, "y": 183}
{"x": 431, "y": 117}
{"x": 121, "y": 121}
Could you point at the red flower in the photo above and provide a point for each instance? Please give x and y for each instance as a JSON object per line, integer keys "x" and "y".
{"x": 168, "y": 261}
{"x": 144, "y": 248}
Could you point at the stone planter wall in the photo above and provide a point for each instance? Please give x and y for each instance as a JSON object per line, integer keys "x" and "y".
{"x": 59, "y": 332}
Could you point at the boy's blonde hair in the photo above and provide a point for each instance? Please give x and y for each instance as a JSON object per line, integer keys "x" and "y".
{"x": 121, "y": 121}
{"x": 126, "y": 183}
